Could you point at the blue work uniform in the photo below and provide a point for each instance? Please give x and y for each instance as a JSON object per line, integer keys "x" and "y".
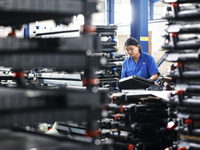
{"x": 145, "y": 67}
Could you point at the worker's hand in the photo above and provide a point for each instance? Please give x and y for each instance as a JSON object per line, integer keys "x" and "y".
{"x": 151, "y": 80}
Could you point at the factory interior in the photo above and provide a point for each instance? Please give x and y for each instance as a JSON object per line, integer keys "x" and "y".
{"x": 100, "y": 74}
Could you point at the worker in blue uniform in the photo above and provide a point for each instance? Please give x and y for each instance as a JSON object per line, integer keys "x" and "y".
{"x": 138, "y": 63}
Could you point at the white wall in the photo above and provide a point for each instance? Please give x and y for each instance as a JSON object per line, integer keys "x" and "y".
{"x": 158, "y": 30}
{"x": 159, "y": 9}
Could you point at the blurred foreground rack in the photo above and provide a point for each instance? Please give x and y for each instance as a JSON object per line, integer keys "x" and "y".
{"x": 60, "y": 54}
{"x": 17, "y": 12}
{"x": 26, "y": 106}
{"x": 22, "y": 140}
{"x": 27, "y": 111}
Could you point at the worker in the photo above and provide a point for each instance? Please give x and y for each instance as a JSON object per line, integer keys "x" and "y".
{"x": 138, "y": 63}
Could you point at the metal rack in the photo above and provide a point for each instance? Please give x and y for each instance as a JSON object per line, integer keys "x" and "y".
{"x": 182, "y": 43}
{"x": 14, "y": 12}
{"x": 110, "y": 73}
{"x": 138, "y": 119}
{"x": 24, "y": 106}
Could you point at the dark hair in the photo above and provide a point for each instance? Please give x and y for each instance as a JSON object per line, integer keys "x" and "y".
{"x": 132, "y": 41}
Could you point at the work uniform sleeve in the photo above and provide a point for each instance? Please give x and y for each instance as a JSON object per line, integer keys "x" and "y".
{"x": 152, "y": 67}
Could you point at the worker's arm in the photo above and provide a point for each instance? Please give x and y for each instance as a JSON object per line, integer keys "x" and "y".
{"x": 154, "y": 77}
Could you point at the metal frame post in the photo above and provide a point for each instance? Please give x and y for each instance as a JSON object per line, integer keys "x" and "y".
{"x": 110, "y": 12}
{"x": 139, "y": 22}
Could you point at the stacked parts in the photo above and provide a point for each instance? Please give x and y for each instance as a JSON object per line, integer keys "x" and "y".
{"x": 183, "y": 44}
{"x": 137, "y": 121}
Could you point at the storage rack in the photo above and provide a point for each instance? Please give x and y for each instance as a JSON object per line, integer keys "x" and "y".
{"x": 137, "y": 120}
{"x": 26, "y": 11}
{"x": 23, "y": 106}
{"x": 110, "y": 73}
{"x": 183, "y": 45}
